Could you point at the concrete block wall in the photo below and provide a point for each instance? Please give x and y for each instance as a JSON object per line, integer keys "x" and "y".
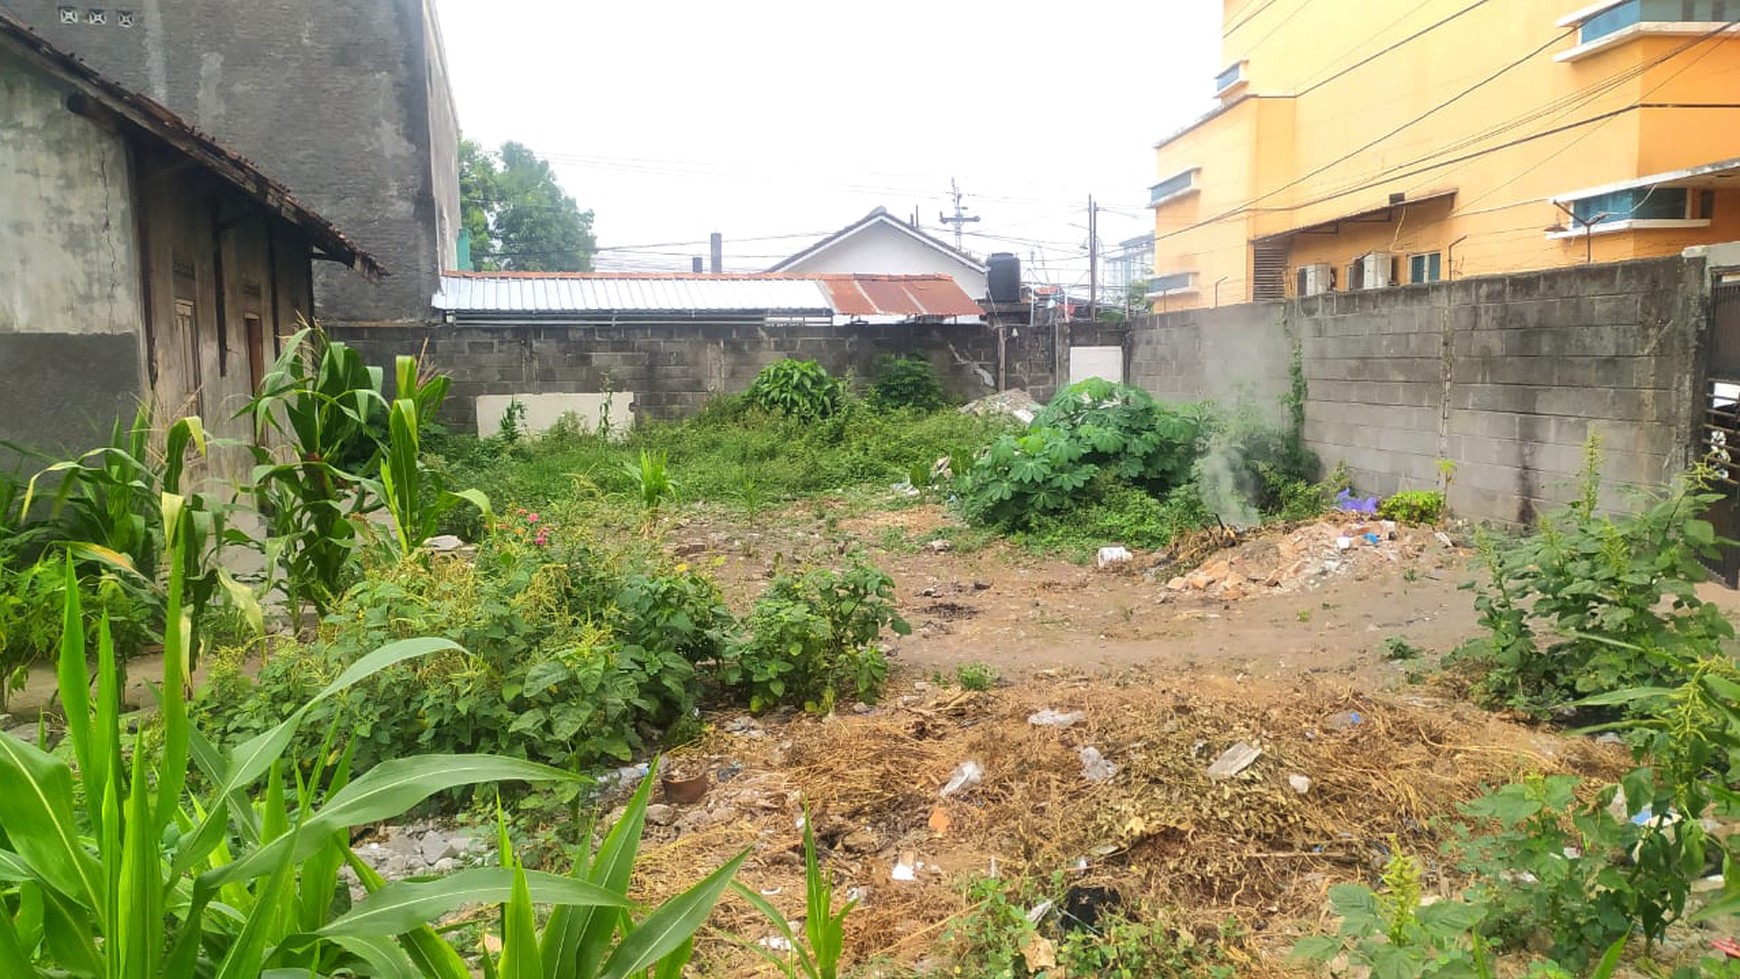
{"x": 674, "y": 368}
{"x": 1505, "y": 376}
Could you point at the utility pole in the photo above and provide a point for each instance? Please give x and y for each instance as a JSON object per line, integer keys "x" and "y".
{"x": 1093, "y": 261}
{"x": 960, "y": 217}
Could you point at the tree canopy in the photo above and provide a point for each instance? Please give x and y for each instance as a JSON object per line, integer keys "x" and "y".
{"x": 518, "y": 216}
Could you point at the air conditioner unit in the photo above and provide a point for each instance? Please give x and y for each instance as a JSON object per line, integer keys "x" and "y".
{"x": 1377, "y": 270}
{"x": 1315, "y": 280}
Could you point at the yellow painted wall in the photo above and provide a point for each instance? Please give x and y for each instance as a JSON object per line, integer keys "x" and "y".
{"x": 1302, "y": 144}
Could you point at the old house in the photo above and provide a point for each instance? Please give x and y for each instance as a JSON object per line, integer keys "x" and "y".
{"x": 347, "y": 104}
{"x": 139, "y": 259}
{"x": 880, "y": 244}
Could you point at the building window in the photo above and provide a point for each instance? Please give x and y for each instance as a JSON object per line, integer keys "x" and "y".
{"x": 1426, "y": 268}
{"x": 1622, "y": 15}
{"x": 1170, "y": 284}
{"x": 1231, "y": 78}
{"x": 1635, "y": 204}
{"x": 94, "y": 16}
{"x": 1173, "y": 187}
{"x": 69, "y": 15}
{"x": 125, "y": 18}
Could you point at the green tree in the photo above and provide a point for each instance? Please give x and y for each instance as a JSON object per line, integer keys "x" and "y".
{"x": 517, "y": 214}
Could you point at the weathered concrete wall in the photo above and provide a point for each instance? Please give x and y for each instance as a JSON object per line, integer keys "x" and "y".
{"x": 673, "y": 369}
{"x": 71, "y": 262}
{"x": 69, "y": 270}
{"x": 334, "y": 99}
{"x": 1505, "y": 376}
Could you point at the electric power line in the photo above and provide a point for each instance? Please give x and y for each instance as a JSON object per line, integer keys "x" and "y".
{"x": 1368, "y": 145}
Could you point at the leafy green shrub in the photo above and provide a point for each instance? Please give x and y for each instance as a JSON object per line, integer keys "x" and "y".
{"x": 907, "y": 382}
{"x": 812, "y": 637}
{"x": 143, "y": 873}
{"x": 1420, "y": 507}
{"x": 1112, "y": 512}
{"x": 1618, "y": 591}
{"x": 1021, "y": 477}
{"x": 797, "y": 389}
{"x": 976, "y": 676}
{"x": 1124, "y": 430}
{"x": 566, "y": 661}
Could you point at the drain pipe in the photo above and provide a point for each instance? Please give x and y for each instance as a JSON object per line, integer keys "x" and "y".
{"x": 1450, "y": 257}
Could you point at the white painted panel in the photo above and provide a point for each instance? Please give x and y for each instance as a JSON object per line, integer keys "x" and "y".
{"x": 1106, "y": 363}
{"x": 544, "y": 410}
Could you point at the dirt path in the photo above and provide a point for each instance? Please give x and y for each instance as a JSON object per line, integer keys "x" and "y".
{"x": 1024, "y": 614}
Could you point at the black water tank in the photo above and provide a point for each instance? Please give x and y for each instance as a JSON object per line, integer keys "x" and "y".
{"x": 1004, "y": 281}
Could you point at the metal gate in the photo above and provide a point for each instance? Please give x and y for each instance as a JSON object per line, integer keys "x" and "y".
{"x": 1719, "y": 438}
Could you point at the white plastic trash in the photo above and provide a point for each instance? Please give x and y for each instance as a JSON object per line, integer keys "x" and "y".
{"x": 967, "y": 775}
{"x": 1050, "y": 717}
{"x": 1095, "y": 767}
{"x": 1114, "y": 555}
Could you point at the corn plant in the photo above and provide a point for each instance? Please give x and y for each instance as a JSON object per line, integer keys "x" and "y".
{"x": 818, "y": 955}
{"x": 113, "y": 866}
{"x": 112, "y": 507}
{"x": 594, "y": 939}
{"x": 416, "y": 498}
{"x": 653, "y": 483}
{"x": 326, "y": 403}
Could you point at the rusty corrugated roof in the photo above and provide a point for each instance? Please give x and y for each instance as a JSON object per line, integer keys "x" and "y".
{"x": 155, "y": 120}
{"x": 899, "y": 295}
{"x": 905, "y": 296}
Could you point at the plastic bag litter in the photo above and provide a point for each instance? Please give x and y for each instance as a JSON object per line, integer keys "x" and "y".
{"x": 1095, "y": 767}
{"x": 967, "y": 775}
{"x": 1050, "y": 717}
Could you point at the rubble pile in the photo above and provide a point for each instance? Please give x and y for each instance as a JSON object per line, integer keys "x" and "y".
{"x": 1302, "y": 557}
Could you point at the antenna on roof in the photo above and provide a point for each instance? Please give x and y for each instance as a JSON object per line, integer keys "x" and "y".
{"x": 960, "y": 217}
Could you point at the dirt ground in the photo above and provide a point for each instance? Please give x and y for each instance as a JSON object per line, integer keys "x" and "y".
{"x": 1167, "y": 676}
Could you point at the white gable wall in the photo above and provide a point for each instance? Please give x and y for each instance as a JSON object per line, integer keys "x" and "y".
{"x": 882, "y": 250}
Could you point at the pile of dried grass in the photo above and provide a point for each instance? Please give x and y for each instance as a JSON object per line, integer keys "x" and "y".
{"x": 1161, "y": 831}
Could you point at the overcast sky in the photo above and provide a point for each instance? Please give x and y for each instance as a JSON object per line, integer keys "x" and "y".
{"x": 782, "y": 121}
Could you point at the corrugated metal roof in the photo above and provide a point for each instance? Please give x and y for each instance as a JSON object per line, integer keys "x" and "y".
{"x": 899, "y": 295}
{"x": 550, "y": 293}
{"x": 583, "y": 293}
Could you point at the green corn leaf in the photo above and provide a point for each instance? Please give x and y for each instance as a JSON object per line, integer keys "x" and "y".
{"x": 177, "y": 639}
{"x": 383, "y": 792}
{"x": 37, "y": 810}
{"x": 671, "y": 966}
{"x": 250, "y": 760}
{"x": 432, "y": 957}
{"x": 402, "y": 905}
{"x": 385, "y": 958}
{"x": 783, "y": 925}
{"x": 673, "y": 923}
{"x": 137, "y": 931}
{"x": 248, "y": 952}
{"x": 14, "y": 959}
{"x": 576, "y": 939}
{"x": 519, "y": 952}
{"x": 13, "y": 868}
{"x": 75, "y": 683}
{"x": 68, "y": 935}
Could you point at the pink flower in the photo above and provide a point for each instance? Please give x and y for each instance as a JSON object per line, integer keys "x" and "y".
{"x": 541, "y": 540}
{"x": 531, "y": 518}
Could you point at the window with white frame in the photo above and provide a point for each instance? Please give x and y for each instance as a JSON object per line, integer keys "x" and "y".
{"x": 1173, "y": 187}
{"x": 1171, "y": 283}
{"x": 1426, "y": 267}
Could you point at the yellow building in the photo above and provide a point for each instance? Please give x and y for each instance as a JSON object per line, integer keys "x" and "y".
{"x": 1361, "y": 144}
